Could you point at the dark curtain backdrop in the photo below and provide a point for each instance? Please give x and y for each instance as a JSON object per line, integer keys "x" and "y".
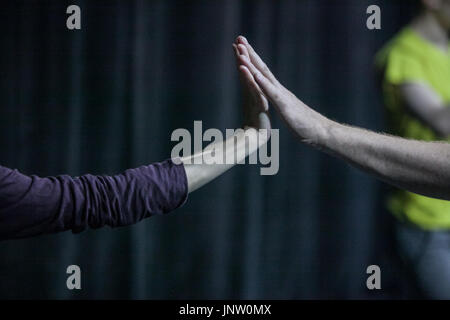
{"x": 108, "y": 97}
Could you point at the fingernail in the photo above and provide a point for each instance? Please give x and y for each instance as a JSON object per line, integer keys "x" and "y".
{"x": 243, "y": 40}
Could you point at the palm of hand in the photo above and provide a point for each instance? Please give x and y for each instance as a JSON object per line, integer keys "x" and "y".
{"x": 255, "y": 108}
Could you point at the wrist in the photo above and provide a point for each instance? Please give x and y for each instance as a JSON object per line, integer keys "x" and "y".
{"x": 260, "y": 135}
{"x": 319, "y": 133}
{"x": 327, "y": 138}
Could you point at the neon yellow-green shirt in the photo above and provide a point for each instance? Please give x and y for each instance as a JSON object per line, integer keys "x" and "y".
{"x": 410, "y": 58}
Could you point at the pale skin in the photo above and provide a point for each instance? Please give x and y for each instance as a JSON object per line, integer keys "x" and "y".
{"x": 255, "y": 109}
{"x": 417, "y": 166}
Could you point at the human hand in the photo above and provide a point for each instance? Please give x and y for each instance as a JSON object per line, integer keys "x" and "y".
{"x": 307, "y": 124}
{"x": 255, "y": 104}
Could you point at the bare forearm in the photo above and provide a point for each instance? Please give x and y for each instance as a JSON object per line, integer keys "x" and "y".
{"x": 417, "y": 166}
{"x": 230, "y": 151}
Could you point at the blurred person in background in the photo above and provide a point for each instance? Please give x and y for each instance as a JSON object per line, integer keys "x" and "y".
{"x": 414, "y": 70}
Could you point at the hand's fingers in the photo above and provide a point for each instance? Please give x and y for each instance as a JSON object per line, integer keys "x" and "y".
{"x": 250, "y": 78}
{"x": 256, "y": 60}
{"x": 271, "y": 91}
{"x": 244, "y": 60}
{"x": 235, "y": 49}
{"x": 236, "y": 54}
{"x": 251, "y": 83}
{"x": 247, "y": 76}
{"x": 260, "y": 64}
{"x": 243, "y": 50}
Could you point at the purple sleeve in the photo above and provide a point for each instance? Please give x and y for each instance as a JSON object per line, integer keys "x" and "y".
{"x": 30, "y": 205}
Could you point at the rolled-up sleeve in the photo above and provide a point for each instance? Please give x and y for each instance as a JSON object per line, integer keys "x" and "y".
{"x": 30, "y": 205}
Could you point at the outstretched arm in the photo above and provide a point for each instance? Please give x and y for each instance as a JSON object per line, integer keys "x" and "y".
{"x": 31, "y": 205}
{"x": 420, "y": 167}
